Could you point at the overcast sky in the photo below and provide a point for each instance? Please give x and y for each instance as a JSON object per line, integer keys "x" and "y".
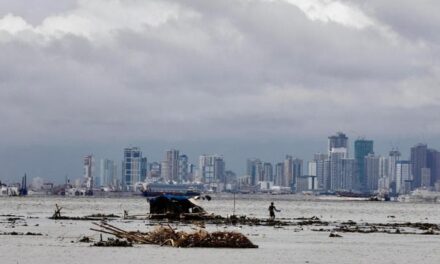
{"x": 242, "y": 78}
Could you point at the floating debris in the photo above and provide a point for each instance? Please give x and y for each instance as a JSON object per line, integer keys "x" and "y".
{"x": 113, "y": 243}
{"x": 57, "y": 216}
{"x": 103, "y": 216}
{"x": 407, "y": 228}
{"x": 167, "y": 236}
{"x": 20, "y": 234}
{"x": 332, "y": 234}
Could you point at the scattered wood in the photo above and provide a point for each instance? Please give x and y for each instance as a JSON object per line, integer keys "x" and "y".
{"x": 20, "y": 234}
{"x": 165, "y": 235}
{"x": 94, "y": 217}
{"x": 113, "y": 243}
{"x": 103, "y": 216}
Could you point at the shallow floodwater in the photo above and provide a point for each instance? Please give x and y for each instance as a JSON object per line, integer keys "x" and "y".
{"x": 59, "y": 243}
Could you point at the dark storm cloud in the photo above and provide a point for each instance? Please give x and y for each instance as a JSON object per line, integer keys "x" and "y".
{"x": 99, "y": 71}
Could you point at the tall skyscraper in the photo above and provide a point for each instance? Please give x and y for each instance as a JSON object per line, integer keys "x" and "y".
{"x": 403, "y": 176}
{"x": 254, "y": 168}
{"x": 154, "y": 170}
{"x": 362, "y": 148}
{"x": 383, "y": 167}
{"x": 108, "y": 172}
{"x": 88, "y": 171}
{"x": 183, "y": 168}
{"x": 267, "y": 172}
{"x": 341, "y": 170}
{"x": 287, "y": 180}
{"x": 433, "y": 161}
{"x": 393, "y": 158}
{"x": 170, "y": 166}
{"x": 279, "y": 173}
{"x": 131, "y": 167}
{"x": 371, "y": 172}
{"x": 293, "y": 169}
{"x": 340, "y": 140}
{"x": 425, "y": 179}
{"x": 419, "y": 160}
{"x": 297, "y": 170}
{"x": 144, "y": 169}
{"x": 319, "y": 161}
{"x": 211, "y": 168}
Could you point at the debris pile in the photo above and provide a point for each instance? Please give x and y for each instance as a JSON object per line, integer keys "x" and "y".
{"x": 167, "y": 236}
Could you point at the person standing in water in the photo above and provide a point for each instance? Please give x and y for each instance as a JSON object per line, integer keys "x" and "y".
{"x": 272, "y": 210}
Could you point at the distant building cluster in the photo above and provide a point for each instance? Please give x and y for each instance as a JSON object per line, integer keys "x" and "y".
{"x": 175, "y": 168}
{"x": 336, "y": 171}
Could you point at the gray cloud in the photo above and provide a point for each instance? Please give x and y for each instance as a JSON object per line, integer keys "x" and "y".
{"x": 216, "y": 70}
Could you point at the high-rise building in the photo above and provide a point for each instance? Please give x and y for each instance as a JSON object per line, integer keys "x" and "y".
{"x": 154, "y": 170}
{"x": 131, "y": 167}
{"x": 191, "y": 177}
{"x": 403, "y": 176}
{"x": 327, "y": 169}
{"x": 384, "y": 179}
{"x": 212, "y": 168}
{"x": 383, "y": 167}
{"x": 425, "y": 179}
{"x": 311, "y": 168}
{"x": 362, "y": 148}
{"x": 108, "y": 172}
{"x": 88, "y": 171}
{"x": 293, "y": 168}
{"x": 183, "y": 168}
{"x": 279, "y": 174}
{"x": 297, "y": 170}
{"x": 267, "y": 172}
{"x": 316, "y": 168}
{"x": 144, "y": 169}
{"x": 419, "y": 160}
{"x": 231, "y": 178}
{"x": 170, "y": 166}
{"x": 340, "y": 140}
{"x": 371, "y": 172}
{"x": 393, "y": 158}
{"x": 165, "y": 171}
{"x": 433, "y": 161}
{"x": 254, "y": 168}
{"x": 341, "y": 170}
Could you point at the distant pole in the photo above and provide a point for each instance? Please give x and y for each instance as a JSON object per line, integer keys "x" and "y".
{"x": 233, "y": 213}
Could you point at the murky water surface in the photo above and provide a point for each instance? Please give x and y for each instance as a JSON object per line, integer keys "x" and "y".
{"x": 276, "y": 245}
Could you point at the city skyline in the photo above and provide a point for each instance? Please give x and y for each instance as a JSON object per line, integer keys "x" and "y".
{"x": 240, "y": 170}
{"x": 241, "y": 78}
